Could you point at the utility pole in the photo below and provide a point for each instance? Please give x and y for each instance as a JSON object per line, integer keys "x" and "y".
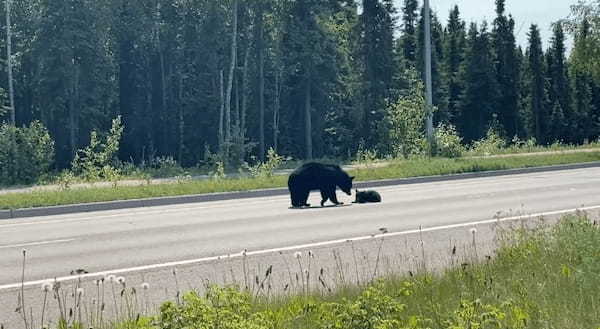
{"x": 428, "y": 83}
{"x": 11, "y": 90}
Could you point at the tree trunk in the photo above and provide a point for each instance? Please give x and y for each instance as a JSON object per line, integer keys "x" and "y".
{"x": 221, "y": 112}
{"x": 11, "y": 91}
{"x": 181, "y": 121}
{"x": 73, "y": 108}
{"x": 261, "y": 84}
{"x": 307, "y": 118}
{"x": 276, "y": 110}
{"x": 244, "y": 105}
{"x": 230, "y": 79}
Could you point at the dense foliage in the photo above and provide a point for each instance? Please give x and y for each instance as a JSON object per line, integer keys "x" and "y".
{"x": 25, "y": 153}
{"x": 307, "y": 78}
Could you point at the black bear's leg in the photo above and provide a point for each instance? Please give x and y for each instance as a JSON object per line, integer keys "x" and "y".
{"x": 333, "y": 196}
{"x": 324, "y": 197}
{"x": 295, "y": 203}
{"x": 303, "y": 198}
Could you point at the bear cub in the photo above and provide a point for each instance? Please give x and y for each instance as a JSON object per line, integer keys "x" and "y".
{"x": 367, "y": 196}
{"x": 318, "y": 176}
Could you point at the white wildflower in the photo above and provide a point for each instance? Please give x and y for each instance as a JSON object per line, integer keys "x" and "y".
{"x": 47, "y": 286}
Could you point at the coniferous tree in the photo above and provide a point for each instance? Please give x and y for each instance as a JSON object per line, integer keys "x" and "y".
{"x": 454, "y": 48}
{"x": 536, "y": 85}
{"x": 377, "y": 51}
{"x": 507, "y": 69}
{"x": 480, "y": 92}
{"x": 559, "y": 92}
{"x": 408, "y": 41}
{"x": 585, "y": 91}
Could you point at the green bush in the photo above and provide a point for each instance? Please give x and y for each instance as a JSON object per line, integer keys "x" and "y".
{"x": 99, "y": 159}
{"x": 267, "y": 168}
{"x": 404, "y": 122}
{"x": 491, "y": 144}
{"x": 448, "y": 143}
{"x": 25, "y": 153}
{"x": 225, "y": 308}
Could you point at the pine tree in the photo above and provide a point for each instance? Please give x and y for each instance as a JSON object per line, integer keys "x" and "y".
{"x": 377, "y": 52}
{"x": 479, "y": 97}
{"x": 586, "y": 111}
{"x": 559, "y": 92}
{"x": 454, "y": 47}
{"x": 537, "y": 109}
{"x": 408, "y": 41}
{"x": 507, "y": 69}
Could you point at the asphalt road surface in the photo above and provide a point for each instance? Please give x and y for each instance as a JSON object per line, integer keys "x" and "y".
{"x": 150, "y": 242}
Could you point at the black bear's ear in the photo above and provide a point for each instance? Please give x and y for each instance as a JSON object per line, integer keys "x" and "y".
{"x": 352, "y": 178}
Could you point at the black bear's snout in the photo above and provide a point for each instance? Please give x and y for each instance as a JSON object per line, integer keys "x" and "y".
{"x": 349, "y": 193}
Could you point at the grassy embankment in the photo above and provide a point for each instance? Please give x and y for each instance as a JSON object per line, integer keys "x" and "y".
{"x": 545, "y": 278}
{"x": 393, "y": 169}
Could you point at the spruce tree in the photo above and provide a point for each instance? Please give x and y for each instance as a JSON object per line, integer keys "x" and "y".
{"x": 377, "y": 52}
{"x": 454, "y": 47}
{"x": 408, "y": 40}
{"x": 480, "y": 93}
{"x": 585, "y": 92}
{"x": 535, "y": 80}
{"x": 559, "y": 92}
{"x": 507, "y": 69}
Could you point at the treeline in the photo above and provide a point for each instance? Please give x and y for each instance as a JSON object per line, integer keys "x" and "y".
{"x": 309, "y": 78}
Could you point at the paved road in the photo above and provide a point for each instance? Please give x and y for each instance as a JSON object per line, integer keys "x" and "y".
{"x": 126, "y": 238}
{"x": 112, "y": 240}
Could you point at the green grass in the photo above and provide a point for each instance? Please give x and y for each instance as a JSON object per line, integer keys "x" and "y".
{"x": 395, "y": 169}
{"x": 547, "y": 278}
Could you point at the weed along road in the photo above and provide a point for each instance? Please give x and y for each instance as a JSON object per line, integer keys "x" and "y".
{"x": 149, "y": 242}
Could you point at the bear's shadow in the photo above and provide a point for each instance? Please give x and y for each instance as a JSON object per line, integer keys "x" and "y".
{"x": 323, "y": 207}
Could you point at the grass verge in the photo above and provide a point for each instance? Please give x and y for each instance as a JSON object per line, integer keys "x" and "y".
{"x": 395, "y": 169}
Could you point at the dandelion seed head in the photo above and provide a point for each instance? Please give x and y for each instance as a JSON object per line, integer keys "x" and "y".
{"x": 121, "y": 280}
{"x": 473, "y": 230}
{"x": 111, "y": 278}
{"x": 311, "y": 254}
{"x": 80, "y": 292}
{"x": 244, "y": 252}
{"x": 298, "y": 254}
{"x": 47, "y": 286}
{"x": 145, "y": 286}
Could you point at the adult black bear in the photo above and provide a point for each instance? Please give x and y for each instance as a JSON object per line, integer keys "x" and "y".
{"x": 317, "y": 176}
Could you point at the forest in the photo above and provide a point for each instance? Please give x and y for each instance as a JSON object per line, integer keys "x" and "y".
{"x": 309, "y": 78}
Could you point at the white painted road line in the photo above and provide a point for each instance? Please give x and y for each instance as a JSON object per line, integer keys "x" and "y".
{"x": 39, "y": 243}
{"x": 296, "y": 247}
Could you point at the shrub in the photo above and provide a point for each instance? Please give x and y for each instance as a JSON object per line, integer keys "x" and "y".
{"x": 25, "y": 153}
{"x": 448, "y": 142}
{"x": 165, "y": 166}
{"x": 98, "y": 160}
{"x": 404, "y": 122}
{"x": 491, "y": 144}
{"x": 267, "y": 168}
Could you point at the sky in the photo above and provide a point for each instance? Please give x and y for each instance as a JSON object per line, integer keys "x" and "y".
{"x": 525, "y": 12}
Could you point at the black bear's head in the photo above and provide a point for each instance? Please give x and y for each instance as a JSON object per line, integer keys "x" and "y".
{"x": 346, "y": 184}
